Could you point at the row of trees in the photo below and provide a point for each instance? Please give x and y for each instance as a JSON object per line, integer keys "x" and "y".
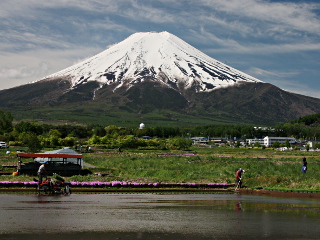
{"x": 5, "y": 121}
{"x": 37, "y": 135}
{"x": 307, "y": 128}
{"x": 130, "y": 141}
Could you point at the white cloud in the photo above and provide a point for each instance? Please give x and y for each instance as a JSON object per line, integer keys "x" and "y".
{"x": 258, "y": 72}
{"x": 283, "y": 80}
{"x": 261, "y": 72}
{"x": 232, "y": 46}
{"x": 23, "y": 67}
{"x": 297, "y": 16}
{"x": 296, "y": 87}
{"x": 23, "y": 71}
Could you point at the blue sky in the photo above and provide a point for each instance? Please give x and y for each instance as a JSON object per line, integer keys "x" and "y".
{"x": 277, "y": 42}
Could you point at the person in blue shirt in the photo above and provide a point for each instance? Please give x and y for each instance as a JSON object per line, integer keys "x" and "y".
{"x": 304, "y": 165}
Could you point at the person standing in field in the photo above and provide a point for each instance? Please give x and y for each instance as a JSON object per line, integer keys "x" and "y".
{"x": 42, "y": 172}
{"x": 239, "y": 177}
{"x": 304, "y": 165}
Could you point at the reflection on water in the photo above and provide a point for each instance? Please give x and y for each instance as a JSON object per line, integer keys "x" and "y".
{"x": 157, "y": 216}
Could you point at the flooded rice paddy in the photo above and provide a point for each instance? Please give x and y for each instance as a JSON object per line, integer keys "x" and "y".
{"x": 157, "y": 216}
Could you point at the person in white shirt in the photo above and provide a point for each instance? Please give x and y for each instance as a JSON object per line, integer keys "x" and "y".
{"x": 42, "y": 172}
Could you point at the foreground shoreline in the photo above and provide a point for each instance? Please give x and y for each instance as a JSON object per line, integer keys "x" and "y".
{"x": 268, "y": 193}
{"x": 283, "y": 194}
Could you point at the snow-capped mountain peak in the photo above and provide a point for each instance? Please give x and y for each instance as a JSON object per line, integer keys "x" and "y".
{"x": 160, "y": 56}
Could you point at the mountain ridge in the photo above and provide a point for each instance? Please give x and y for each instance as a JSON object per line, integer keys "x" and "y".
{"x": 164, "y": 84}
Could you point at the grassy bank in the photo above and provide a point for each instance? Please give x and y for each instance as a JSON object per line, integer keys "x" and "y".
{"x": 265, "y": 168}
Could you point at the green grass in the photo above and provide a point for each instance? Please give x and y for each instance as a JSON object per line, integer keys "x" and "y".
{"x": 106, "y": 114}
{"x": 267, "y": 169}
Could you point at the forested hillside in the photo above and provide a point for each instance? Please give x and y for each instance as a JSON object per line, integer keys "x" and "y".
{"x": 310, "y": 120}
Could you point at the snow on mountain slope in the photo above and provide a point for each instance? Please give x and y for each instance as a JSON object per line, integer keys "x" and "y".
{"x": 161, "y": 56}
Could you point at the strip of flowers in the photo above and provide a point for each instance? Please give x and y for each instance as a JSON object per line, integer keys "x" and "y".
{"x": 160, "y": 154}
{"x": 241, "y": 157}
{"x": 98, "y": 184}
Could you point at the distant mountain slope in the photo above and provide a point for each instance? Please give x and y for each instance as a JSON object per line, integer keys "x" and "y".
{"x": 155, "y": 78}
{"x": 150, "y": 102}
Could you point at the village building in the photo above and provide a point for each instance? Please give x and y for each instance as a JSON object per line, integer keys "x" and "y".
{"x": 268, "y": 141}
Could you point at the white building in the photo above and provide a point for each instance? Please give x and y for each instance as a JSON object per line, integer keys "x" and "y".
{"x": 312, "y": 143}
{"x": 268, "y": 141}
{"x": 199, "y": 140}
{"x": 255, "y": 140}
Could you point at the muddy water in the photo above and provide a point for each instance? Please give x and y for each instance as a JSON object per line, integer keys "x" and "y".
{"x": 157, "y": 216}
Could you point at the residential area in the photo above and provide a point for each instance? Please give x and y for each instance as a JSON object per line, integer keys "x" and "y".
{"x": 282, "y": 143}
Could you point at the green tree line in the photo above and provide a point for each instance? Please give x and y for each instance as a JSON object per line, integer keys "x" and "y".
{"x": 37, "y": 135}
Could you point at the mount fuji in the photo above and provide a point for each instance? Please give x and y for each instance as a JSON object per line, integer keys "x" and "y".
{"x": 162, "y": 57}
{"x": 158, "y": 79}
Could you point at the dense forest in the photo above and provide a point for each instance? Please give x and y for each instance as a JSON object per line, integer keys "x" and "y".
{"x": 37, "y": 135}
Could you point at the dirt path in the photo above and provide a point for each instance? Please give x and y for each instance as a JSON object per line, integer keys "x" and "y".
{"x": 88, "y": 165}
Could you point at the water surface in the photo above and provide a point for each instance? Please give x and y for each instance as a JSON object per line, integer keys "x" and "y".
{"x": 157, "y": 216}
